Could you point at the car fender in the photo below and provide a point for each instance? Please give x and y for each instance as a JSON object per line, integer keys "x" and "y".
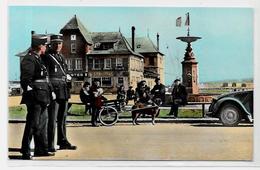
{"x": 230, "y": 99}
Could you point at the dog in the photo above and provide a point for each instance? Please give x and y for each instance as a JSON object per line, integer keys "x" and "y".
{"x": 141, "y": 109}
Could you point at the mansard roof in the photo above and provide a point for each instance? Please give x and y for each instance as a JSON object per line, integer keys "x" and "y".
{"x": 144, "y": 45}
{"x": 121, "y": 46}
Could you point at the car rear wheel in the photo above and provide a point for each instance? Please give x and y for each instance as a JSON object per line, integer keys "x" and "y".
{"x": 230, "y": 115}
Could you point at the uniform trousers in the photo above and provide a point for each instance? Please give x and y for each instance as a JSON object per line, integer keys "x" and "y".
{"x": 36, "y": 127}
{"x": 57, "y": 113}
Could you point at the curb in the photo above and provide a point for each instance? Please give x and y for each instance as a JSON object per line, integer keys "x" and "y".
{"x": 129, "y": 120}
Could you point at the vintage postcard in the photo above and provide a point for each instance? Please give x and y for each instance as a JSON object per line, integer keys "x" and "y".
{"x": 130, "y": 83}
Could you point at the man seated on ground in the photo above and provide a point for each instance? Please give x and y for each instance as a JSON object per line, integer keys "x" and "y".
{"x": 85, "y": 96}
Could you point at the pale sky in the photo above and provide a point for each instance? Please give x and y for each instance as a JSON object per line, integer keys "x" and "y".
{"x": 224, "y": 52}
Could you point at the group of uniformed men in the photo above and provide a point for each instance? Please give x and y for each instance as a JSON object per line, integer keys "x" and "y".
{"x": 44, "y": 81}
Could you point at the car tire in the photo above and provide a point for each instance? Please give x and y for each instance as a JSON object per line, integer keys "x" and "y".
{"x": 230, "y": 115}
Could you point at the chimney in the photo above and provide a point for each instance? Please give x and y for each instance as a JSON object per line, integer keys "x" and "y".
{"x": 157, "y": 41}
{"x": 133, "y": 38}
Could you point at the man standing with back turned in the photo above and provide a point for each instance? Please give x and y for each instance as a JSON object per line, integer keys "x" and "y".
{"x": 179, "y": 97}
{"x": 58, "y": 109}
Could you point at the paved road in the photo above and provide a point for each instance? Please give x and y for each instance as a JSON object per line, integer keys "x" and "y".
{"x": 163, "y": 141}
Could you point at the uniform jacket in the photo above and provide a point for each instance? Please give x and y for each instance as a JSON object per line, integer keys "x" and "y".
{"x": 57, "y": 71}
{"x": 32, "y": 69}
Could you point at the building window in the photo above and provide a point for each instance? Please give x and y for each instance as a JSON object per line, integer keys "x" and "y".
{"x": 120, "y": 81}
{"x": 96, "y": 79}
{"x": 151, "y": 60}
{"x": 73, "y": 47}
{"x": 78, "y": 64}
{"x": 73, "y": 37}
{"x": 106, "y": 82}
{"x": 119, "y": 62}
{"x": 69, "y": 63}
{"x": 77, "y": 84}
{"x": 97, "y": 64}
{"x": 107, "y": 63}
{"x": 86, "y": 60}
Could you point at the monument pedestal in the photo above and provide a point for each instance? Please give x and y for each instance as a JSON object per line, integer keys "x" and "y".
{"x": 190, "y": 71}
{"x": 190, "y": 67}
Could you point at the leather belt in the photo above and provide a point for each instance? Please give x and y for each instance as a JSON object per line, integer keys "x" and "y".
{"x": 58, "y": 79}
{"x": 41, "y": 81}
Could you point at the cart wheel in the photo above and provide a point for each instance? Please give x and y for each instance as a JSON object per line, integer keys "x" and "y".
{"x": 108, "y": 116}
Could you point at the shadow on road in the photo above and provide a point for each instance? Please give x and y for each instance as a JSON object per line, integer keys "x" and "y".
{"x": 14, "y": 149}
{"x": 15, "y": 157}
{"x": 220, "y": 125}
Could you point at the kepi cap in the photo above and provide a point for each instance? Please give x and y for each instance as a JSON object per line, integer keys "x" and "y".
{"x": 39, "y": 39}
{"x": 176, "y": 80}
{"x": 56, "y": 38}
{"x": 156, "y": 79}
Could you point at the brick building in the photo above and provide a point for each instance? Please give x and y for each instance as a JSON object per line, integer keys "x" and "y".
{"x": 153, "y": 58}
{"x": 109, "y": 57}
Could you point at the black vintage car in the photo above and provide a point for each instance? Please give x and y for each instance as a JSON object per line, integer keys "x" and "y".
{"x": 233, "y": 107}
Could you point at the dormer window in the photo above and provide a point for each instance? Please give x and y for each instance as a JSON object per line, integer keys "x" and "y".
{"x": 73, "y": 37}
{"x": 107, "y": 45}
{"x": 97, "y": 45}
{"x": 103, "y": 45}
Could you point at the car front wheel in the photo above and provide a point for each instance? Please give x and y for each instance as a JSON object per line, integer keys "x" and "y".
{"x": 230, "y": 115}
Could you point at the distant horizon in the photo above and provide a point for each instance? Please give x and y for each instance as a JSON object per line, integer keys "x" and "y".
{"x": 224, "y": 52}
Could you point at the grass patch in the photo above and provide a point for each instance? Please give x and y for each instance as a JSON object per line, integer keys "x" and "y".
{"x": 17, "y": 112}
{"x": 77, "y": 112}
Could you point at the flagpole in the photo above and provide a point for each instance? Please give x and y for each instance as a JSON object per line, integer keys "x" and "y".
{"x": 188, "y": 23}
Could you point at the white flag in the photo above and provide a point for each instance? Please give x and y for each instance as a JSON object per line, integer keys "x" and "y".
{"x": 187, "y": 23}
{"x": 178, "y": 22}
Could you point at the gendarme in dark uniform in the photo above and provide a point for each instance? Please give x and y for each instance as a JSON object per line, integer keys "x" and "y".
{"x": 36, "y": 96}
{"x": 57, "y": 69}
